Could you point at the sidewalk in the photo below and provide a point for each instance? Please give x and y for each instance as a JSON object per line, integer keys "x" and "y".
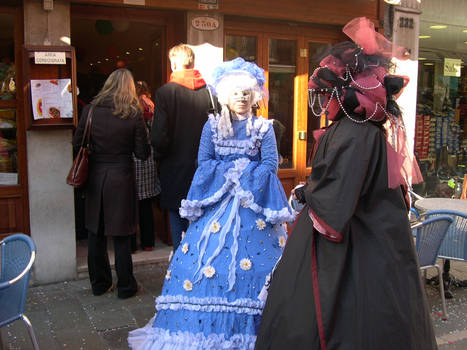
{"x": 67, "y": 316}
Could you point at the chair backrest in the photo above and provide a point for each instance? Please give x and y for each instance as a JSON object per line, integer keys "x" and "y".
{"x": 429, "y": 236}
{"x": 18, "y": 253}
{"x": 454, "y": 245}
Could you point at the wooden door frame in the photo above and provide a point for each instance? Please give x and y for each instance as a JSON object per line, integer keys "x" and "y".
{"x": 17, "y": 195}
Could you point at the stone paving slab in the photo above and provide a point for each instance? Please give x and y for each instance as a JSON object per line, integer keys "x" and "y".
{"x": 67, "y": 316}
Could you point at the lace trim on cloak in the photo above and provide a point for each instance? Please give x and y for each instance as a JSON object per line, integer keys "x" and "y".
{"x": 193, "y": 209}
{"x": 158, "y": 338}
{"x": 248, "y": 146}
{"x": 210, "y": 304}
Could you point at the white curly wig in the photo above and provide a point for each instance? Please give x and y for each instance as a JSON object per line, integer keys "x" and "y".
{"x": 230, "y": 77}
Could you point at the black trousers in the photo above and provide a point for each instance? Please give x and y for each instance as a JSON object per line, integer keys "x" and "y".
{"x": 146, "y": 222}
{"x": 100, "y": 273}
{"x": 146, "y": 225}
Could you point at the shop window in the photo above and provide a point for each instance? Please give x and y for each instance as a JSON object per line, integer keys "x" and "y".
{"x": 440, "y": 142}
{"x": 8, "y": 115}
{"x": 240, "y": 46}
{"x": 282, "y": 72}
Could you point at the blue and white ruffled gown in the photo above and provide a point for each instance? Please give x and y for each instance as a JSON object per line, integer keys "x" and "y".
{"x": 236, "y": 204}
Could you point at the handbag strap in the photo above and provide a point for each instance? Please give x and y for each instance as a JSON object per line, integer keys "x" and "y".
{"x": 87, "y": 128}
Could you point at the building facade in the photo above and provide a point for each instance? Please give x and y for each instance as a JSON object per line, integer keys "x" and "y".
{"x": 93, "y": 37}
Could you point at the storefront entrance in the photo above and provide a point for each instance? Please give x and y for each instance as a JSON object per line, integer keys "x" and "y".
{"x": 108, "y": 38}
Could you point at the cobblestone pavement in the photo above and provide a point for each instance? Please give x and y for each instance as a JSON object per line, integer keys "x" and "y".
{"x": 67, "y": 316}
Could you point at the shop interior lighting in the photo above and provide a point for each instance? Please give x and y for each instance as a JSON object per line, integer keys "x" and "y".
{"x": 428, "y": 64}
{"x": 464, "y": 31}
{"x": 438, "y": 26}
{"x": 393, "y": 2}
{"x": 128, "y": 52}
{"x": 140, "y": 49}
{"x": 98, "y": 62}
{"x": 66, "y": 40}
{"x": 424, "y": 36}
{"x": 421, "y": 58}
{"x": 106, "y": 59}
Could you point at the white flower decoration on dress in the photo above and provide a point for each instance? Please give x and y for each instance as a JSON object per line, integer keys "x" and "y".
{"x": 183, "y": 235}
{"x": 209, "y": 271}
{"x": 215, "y": 227}
{"x": 282, "y": 240}
{"x": 244, "y": 204}
{"x": 260, "y": 224}
{"x": 187, "y": 285}
{"x": 168, "y": 274}
{"x": 185, "y": 248}
{"x": 245, "y": 264}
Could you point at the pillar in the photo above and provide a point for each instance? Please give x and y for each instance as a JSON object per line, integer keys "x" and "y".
{"x": 405, "y": 31}
{"x": 205, "y": 34}
{"x": 49, "y": 153}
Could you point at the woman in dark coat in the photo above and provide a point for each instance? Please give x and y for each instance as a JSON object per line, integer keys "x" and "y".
{"x": 117, "y": 132}
{"x": 147, "y": 181}
{"x": 349, "y": 278}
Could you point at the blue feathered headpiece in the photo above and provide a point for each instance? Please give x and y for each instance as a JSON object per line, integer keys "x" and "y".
{"x": 238, "y": 65}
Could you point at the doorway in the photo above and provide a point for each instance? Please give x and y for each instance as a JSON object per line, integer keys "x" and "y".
{"x": 107, "y": 38}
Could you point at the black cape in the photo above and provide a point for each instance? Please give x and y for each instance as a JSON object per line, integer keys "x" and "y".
{"x": 357, "y": 286}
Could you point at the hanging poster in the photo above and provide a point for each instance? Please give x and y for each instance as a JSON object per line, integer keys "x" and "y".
{"x": 51, "y": 98}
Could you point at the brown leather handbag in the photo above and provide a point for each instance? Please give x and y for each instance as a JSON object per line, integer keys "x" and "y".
{"x": 78, "y": 174}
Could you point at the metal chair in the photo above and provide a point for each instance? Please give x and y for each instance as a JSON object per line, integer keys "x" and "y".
{"x": 455, "y": 243}
{"x": 429, "y": 236}
{"x": 454, "y": 246}
{"x": 18, "y": 253}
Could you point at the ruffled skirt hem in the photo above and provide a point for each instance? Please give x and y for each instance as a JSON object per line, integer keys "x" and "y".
{"x": 150, "y": 338}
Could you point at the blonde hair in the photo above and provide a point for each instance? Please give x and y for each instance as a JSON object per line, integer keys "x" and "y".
{"x": 182, "y": 54}
{"x": 120, "y": 87}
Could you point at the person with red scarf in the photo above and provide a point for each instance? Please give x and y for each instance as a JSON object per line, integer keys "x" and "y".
{"x": 349, "y": 276}
{"x": 181, "y": 110}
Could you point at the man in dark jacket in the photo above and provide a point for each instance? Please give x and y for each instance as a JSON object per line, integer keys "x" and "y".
{"x": 181, "y": 110}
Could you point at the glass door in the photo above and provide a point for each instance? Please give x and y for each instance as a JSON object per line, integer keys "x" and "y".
{"x": 282, "y": 69}
{"x": 288, "y": 60}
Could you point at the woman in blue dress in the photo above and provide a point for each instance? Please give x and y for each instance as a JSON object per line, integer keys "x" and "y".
{"x": 215, "y": 286}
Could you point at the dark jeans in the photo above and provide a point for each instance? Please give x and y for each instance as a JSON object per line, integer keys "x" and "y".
{"x": 146, "y": 222}
{"x": 177, "y": 226}
{"x": 100, "y": 274}
{"x": 146, "y": 225}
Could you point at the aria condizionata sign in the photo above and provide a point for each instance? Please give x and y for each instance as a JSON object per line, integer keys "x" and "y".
{"x": 49, "y": 57}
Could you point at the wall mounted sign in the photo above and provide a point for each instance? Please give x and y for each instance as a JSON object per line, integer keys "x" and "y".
{"x": 49, "y": 57}
{"x": 452, "y": 67}
{"x": 205, "y": 23}
{"x": 208, "y": 5}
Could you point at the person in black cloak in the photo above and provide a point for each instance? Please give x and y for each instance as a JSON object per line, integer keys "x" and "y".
{"x": 349, "y": 277}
